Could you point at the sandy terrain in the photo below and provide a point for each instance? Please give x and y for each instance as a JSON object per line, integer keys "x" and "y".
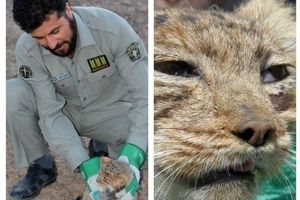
{"x": 69, "y": 185}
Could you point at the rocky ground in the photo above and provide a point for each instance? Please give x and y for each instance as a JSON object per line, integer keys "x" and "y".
{"x": 69, "y": 185}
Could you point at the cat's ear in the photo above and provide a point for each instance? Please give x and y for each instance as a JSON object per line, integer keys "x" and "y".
{"x": 274, "y": 15}
{"x": 105, "y": 160}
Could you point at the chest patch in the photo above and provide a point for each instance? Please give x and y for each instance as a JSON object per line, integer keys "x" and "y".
{"x": 61, "y": 76}
{"x": 98, "y": 63}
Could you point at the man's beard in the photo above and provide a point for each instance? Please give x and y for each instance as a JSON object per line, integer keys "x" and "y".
{"x": 71, "y": 44}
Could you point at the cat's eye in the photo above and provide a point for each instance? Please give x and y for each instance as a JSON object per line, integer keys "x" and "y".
{"x": 274, "y": 74}
{"x": 177, "y": 68}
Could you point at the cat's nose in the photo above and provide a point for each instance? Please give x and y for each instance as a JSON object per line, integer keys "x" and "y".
{"x": 255, "y": 133}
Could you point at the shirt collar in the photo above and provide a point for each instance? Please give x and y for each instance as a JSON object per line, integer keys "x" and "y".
{"x": 84, "y": 35}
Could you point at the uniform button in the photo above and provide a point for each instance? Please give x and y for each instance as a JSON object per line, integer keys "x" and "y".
{"x": 72, "y": 62}
{"x": 78, "y": 81}
{"x": 84, "y": 98}
{"x": 103, "y": 76}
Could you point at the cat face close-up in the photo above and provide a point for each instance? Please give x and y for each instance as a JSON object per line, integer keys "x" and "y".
{"x": 224, "y": 99}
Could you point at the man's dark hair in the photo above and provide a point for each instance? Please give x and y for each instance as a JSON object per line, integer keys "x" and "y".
{"x": 30, "y": 14}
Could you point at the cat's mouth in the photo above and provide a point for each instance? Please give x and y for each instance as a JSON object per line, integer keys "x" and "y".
{"x": 232, "y": 174}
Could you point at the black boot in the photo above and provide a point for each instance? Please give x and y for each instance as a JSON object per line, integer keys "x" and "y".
{"x": 35, "y": 179}
{"x": 97, "y": 149}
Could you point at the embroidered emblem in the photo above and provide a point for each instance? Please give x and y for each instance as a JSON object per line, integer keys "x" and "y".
{"x": 25, "y": 71}
{"x": 98, "y": 63}
{"x": 133, "y": 51}
{"x": 61, "y": 76}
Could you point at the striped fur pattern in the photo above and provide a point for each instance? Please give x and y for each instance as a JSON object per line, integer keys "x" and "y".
{"x": 209, "y": 77}
{"x": 113, "y": 177}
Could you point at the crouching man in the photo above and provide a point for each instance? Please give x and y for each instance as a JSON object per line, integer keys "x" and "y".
{"x": 81, "y": 72}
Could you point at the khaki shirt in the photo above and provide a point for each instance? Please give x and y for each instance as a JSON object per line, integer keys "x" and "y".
{"x": 109, "y": 65}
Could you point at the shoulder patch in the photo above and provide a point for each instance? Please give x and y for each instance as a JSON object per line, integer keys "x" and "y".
{"x": 133, "y": 51}
{"x": 98, "y": 63}
{"x": 25, "y": 71}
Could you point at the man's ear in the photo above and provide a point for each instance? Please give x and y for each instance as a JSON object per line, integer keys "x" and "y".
{"x": 69, "y": 9}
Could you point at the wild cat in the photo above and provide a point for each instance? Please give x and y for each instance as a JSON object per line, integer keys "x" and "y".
{"x": 224, "y": 99}
{"x": 113, "y": 177}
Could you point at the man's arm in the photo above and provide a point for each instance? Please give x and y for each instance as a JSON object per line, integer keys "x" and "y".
{"x": 57, "y": 129}
{"x": 131, "y": 58}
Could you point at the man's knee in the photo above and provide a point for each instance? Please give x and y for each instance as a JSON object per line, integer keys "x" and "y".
{"x": 19, "y": 94}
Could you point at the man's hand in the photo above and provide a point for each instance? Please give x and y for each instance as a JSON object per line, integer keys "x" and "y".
{"x": 89, "y": 171}
{"x": 134, "y": 157}
{"x": 129, "y": 154}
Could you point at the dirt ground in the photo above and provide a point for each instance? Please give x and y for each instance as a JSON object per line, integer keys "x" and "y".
{"x": 69, "y": 185}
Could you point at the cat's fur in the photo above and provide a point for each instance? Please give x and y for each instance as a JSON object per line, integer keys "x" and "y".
{"x": 198, "y": 111}
{"x": 113, "y": 177}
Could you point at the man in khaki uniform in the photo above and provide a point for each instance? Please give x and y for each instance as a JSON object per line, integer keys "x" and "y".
{"x": 82, "y": 72}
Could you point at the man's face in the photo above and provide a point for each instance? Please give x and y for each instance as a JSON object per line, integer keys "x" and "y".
{"x": 57, "y": 34}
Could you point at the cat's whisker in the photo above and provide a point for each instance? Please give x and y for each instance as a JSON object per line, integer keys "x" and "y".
{"x": 292, "y": 153}
{"x": 162, "y": 153}
{"x": 166, "y": 168}
{"x": 288, "y": 184}
{"x": 197, "y": 178}
{"x": 160, "y": 186}
{"x": 291, "y": 162}
{"x": 293, "y": 144}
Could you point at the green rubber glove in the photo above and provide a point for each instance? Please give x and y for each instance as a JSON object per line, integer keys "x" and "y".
{"x": 89, "y": 170}
{"x": 135, "y": 157}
